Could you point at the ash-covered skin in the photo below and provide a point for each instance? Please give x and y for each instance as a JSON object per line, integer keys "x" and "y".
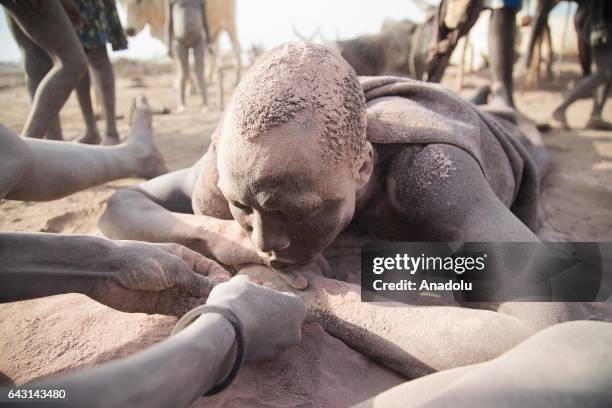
{"x": 296, "y": 170}
{"x": 295, "y": 162}
{"x": 288, "y": 152}
{"x": 303, "y": 78}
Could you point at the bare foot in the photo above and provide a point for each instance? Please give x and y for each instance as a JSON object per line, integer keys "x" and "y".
{"x": 92, "y": 138}
{"x": 204, "y": 109}
{"x": 181, "y": 109}
{"x": 150, "y": 162}
{"x": 598, "y": 124}
{"x": 559, "y": 116}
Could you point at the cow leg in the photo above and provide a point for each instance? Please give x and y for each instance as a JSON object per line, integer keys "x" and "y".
{"x": 462, "y": 69}
{"x": 104, "y": 80}
{"x": 588, "y": 87}
{"x": 214, "y": 51}
{"x": 551, "y": 54}
{"x": 198, "y": 57}
{"x": 237, "y": 52}
{"x": 181, "y": 56}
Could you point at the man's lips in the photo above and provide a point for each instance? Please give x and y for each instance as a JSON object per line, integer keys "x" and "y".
{"x": 283, "y": 263}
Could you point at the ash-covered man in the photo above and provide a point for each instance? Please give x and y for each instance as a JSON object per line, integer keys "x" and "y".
{"x": 307, "y": 151}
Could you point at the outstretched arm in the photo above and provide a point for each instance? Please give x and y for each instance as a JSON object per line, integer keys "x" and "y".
{"x": 126, "y": 275}
{"x": 40, "y": 170}
{"x": 176, "y": 371}
{"x": 160, "y": 210}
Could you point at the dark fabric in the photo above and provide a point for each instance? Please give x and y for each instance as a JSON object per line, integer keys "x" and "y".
{"x": 101, "y": 24}
{"x": 402, "y": 110}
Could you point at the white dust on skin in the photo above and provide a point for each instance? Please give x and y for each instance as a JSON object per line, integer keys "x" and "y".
{"x": 443, "y": 165}
{"x": 300, "y": 77}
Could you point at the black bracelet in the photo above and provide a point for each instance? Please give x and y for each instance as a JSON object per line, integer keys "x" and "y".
{"x": 235, "y": 322}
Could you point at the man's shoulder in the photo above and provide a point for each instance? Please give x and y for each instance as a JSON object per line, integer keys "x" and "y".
{"x": 420, "y": 177}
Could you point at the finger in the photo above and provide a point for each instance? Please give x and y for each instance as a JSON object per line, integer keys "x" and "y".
{"x": 197, "y": 285}
{"x": 199, "y": 263}
{"x": 293, "y": 278}
{"x": 208, "y": 267}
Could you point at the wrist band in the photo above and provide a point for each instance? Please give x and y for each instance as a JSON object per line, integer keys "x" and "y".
{"x": 235, "y": 322}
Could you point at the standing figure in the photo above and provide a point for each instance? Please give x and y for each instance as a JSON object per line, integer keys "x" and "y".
{"x": 185, "y": 25}
{"x": 54, "y": 61}
{"x": 456, "y": 18}
{"x": 594, "y": 26}
{"x": 101, "y": 25}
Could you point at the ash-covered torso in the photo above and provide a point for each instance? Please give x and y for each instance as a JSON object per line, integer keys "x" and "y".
{"x": 409, "y": 121}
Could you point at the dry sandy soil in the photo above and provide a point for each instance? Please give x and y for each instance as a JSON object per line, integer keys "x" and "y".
{"x": 45, "y": 336}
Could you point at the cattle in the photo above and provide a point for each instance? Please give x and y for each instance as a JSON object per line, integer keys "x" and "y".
{"x": 220, "y": 16}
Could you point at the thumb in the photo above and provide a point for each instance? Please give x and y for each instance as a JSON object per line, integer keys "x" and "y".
{"x": 197, "y": 285}
{"x": 207, "y": 267}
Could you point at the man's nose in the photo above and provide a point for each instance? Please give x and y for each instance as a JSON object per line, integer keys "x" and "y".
{"x": 268, "y": 239}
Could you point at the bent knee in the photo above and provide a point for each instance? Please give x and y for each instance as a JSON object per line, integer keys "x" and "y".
{"x": 74, "y": 66}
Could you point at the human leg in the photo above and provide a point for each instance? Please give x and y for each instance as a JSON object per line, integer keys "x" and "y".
{"x": 83, "y": 91}
{"x": 198, "y": 57}
{"x": 36, "y": 64}
{"x": 502, "y": 29}
{"x": 52, "y": 31}
{"x": 104, "y": 80}
{"x": 181, "y": 55}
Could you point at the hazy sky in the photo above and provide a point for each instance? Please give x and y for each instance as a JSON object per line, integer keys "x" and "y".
{"x": 268, "y": 22}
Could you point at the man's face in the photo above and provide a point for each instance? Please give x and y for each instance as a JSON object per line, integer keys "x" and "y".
{"x": 290, "y": 200}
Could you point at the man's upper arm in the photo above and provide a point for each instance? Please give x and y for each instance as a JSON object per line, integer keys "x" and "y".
{"x": 172, "y": 191}
{"x": 190, "y": 190}
{"x": 443, "y": 190}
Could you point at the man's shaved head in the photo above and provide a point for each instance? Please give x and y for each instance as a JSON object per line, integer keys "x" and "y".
{"x": 303, "y": 78}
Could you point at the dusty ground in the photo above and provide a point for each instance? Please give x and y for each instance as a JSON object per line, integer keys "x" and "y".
{"x": 577, "y": 197}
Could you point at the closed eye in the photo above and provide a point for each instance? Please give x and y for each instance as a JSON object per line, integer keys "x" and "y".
{"x": 302, "y": 216}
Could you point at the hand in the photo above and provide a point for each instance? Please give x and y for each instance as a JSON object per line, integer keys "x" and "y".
{"x": 228, "y": 243}
{"x": 271, "y": 320}
{"x": 157, "y": 277}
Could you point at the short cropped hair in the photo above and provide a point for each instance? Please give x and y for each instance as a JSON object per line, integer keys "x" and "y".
{"x": 298, "y": 77}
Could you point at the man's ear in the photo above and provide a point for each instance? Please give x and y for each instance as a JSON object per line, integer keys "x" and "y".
{"x": 366, "y": 166}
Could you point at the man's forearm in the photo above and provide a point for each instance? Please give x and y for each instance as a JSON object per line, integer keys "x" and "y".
{"x": 36, "y": 264}
{"x": 130, "y": 214}
{"x": 171, "y": 373}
